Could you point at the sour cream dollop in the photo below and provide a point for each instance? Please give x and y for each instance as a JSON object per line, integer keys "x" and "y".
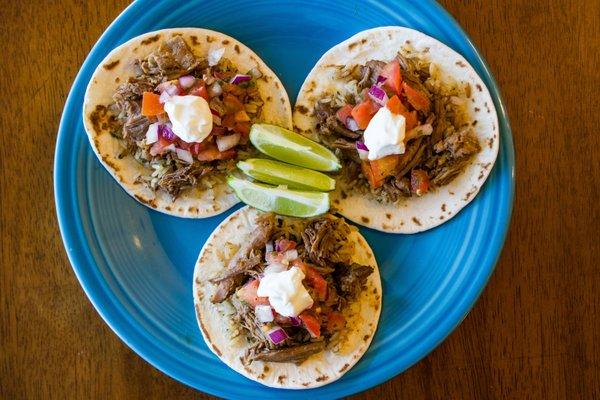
{"x": 285, "y": 291}
{"x": 385, "y": 133}
{"x": 190, "y": 116}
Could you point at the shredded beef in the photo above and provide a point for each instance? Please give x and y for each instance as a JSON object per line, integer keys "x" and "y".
{"x": 369, "y": 73}
{"x": 351, "y": 279}
{"x": 245, "y": 317}
{"x": 323, "y": 239}
{"x": 171, "y": 59}
{"x": 329, "y": 124}
{"x": 262, "y": 234}
{"x": 291, "y": 354}
{"x": 135, "y": 127}
{"x": 182, "y": 178}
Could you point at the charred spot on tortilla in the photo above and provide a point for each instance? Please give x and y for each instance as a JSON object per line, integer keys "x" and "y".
{"x": 151, "y": 39}
{"x": 474, "y": 123}
{"x": 491, "y": 143}
{"x": 336, "y": 201}
{"x": 194, "y": 40}
{"x": 210, "y": 39}
{"x": 322, "y": 378}
{"x": 352, "y": 45}
{"x": 416, "y": 221}
{"x": 365, "y": 219}
{"x": 477, "y": 109}
{"x": 441, "y": 217}
{"x": 111, "y": 65}
{"x": 301, "y": 109}
{"x": 344, "y": 368}
{"x": 461, "y": 64}
{"x": 388, "y": 215}
{"x": 478, "y": 86}
{"x": 344, "y": 194}
{"x": 366, "y": 337}
{"x": 193, "y": 209}
{"x": 168, "y": 208}
{"x": 225, "y": 42}
{"x": 237, "y": 49}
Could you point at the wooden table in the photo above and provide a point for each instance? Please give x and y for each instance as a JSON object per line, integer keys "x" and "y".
{"x": 534, "y": 333}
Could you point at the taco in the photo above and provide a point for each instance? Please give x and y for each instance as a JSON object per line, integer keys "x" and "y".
{"x": 412, "y": 122}
{"x": 290, "y": 303}
{"x": 168, "y": 114}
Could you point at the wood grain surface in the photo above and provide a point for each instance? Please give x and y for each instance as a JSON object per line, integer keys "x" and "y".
{"x": 535, "y": 331}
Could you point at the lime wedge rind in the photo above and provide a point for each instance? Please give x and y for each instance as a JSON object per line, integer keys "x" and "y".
{"x": 293, "y": 148}
{"x": 281, "y": 201}
{"x": 292, "y": 176}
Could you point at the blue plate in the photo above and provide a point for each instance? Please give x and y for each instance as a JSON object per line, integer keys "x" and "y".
{"x": 136, "y": 264}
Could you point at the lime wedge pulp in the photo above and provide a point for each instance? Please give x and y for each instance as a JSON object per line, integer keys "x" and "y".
{"x": 288, "y": 146}
{"x": 278, "y": 173}
{"x": 293, "y": 203}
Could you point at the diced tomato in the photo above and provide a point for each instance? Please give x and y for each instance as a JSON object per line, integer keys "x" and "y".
{"x": 151, "y": 104}
{"x": 285, "y": 244}
{"x": 248, "y": 294}
{"x": 419, "y": 182}
{"x": 343, "y": 113}
{"x": 195, "y": 148}
{"x": 232, "y": 103}
{"x": 212, "y": 153}
{"x": 417, "y": 99}
{"x": 228, "y": 121}
{"x": 313, "y": 279}
{"x": 393, "y": 76}
{"x": 241, "y": 116}
{"x": 159, "y": 146}
{"x": 183, "y": 144}
{"x": 311, "y": 323}
{"x": 201, "y": 91}
{"x": 363, "y": 112}
{"x": 335, "y": 321}
{"x": 244, "y": 129}
{"x": 218, "y": 130}
{"x": 377, "y": 170}
{"x": 395, "y": 105}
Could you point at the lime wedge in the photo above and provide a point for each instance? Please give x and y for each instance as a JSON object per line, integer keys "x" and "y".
{"x": 278, "y": 173}
{"x": 288, "y": 146}
{"x": 294, "y": 203}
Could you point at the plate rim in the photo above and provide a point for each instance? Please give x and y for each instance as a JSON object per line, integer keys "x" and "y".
{"x": 69, "y": 233}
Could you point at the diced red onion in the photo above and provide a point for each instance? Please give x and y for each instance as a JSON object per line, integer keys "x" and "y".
{"x": 166, "y": 132}
{"x": 361, "y": 146}
{"x": 274, "y": 268}
{"x": 162, "y": 86}
{"x": 164, "y": 97}
{"x": 239, "y": 78}
{"x": 381, "y": 80}
{"x": 295, "y": 321}
{"x": 215, "y": 89}
{"x": 228, "y": 141}
{"x": 152, "y": 133}
{"x": 184, "y": 155}
{"x": 214, "y": 55}
{"x": 363, "y": 151}
{"x": 269, "y": 247}
{"x": 187, "y": 81}
{"x": 290, "y": 255}
{"x": 378, "y": 95}
{"x": 263, "y": 313}
{"x": 277, "y": 335}
{"x": 351, "y": 124}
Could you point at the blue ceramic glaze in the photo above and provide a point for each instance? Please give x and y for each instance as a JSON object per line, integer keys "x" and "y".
{"x": 136, "y": 264}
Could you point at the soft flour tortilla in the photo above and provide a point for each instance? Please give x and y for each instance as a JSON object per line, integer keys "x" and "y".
{"x": 219, "y": 330}
{"x": 413, "y": 214}
{"x": 117, "y": 67}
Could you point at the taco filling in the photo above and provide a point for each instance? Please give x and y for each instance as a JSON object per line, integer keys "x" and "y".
{"x": 399, "y": 129}
{"x": 185, "y": 117}
{"x": 290, "y": 287}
